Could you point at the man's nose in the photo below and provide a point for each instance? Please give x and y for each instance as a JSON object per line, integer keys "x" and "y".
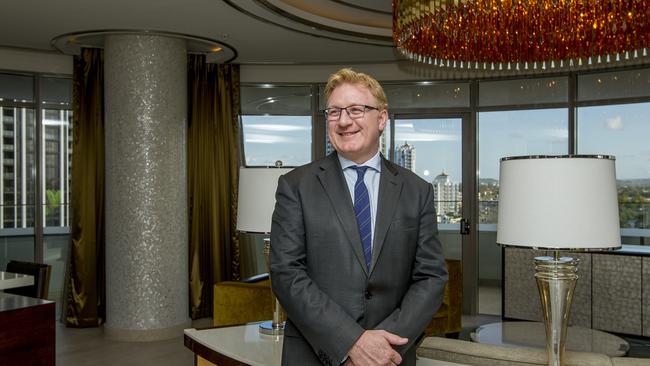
{"x": 345, "y": 119}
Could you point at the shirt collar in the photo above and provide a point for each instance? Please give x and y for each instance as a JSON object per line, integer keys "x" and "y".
{"x": 374, "y": 162}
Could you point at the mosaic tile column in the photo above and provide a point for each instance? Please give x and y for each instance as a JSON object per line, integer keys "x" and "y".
{"x": 146, "y": 192}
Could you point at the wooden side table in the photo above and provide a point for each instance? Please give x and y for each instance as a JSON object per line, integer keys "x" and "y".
{"x": 27, "y": 335}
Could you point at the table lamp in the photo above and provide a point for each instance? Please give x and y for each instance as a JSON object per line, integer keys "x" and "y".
{"x": 255, "y": 204}
{"x": 558, "y": 203}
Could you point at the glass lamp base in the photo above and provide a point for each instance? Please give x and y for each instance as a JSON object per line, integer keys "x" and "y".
{"x": 556, "y": 280}
{"x": 268, "y": 328}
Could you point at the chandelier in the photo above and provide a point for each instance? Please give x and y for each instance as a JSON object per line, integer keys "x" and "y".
{"x": 521, "y": 34}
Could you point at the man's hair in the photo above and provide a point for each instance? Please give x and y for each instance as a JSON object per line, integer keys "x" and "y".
{"x": 350, "y": 76}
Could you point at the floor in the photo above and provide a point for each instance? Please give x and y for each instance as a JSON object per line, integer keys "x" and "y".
{"x": 88, "y": 346}
{"x": 489, "y": 300}
{"x": 81, "y": 347}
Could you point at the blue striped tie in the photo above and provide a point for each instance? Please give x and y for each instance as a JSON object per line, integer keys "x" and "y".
{"x": 362, "y": 212}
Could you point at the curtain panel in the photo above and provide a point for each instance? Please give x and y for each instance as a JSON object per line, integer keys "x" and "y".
{"x": 84, "y": 304}
{"x": 213, "y": 163}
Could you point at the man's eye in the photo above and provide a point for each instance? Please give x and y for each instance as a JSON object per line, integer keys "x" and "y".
{"x": 333, "y": 112}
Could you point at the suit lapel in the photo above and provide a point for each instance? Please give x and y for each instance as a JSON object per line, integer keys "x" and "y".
{"x": 333, "y": 182}
{"x": 390, "y": 187}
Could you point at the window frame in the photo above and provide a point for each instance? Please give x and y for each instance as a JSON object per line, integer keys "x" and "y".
{"x": 38, "y": 105}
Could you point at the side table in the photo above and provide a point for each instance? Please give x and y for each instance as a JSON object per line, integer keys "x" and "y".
{"x": 533, "y": 334}
{"x": 244, "y": 345}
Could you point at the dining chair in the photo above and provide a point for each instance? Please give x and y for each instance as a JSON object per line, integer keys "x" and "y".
{"x": 41, "y": 273}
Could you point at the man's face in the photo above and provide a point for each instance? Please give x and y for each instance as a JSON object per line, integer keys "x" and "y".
{"x": 355, "y": 139}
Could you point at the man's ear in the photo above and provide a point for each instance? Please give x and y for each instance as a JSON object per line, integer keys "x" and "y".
{"x": 383, "y": 118}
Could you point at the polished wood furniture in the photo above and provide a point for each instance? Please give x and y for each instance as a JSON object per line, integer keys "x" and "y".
{"x": 26, "y": 331}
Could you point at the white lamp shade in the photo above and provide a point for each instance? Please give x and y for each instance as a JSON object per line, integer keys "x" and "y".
{"x": 558, "y": 202}
{"x": 256, "y": 198}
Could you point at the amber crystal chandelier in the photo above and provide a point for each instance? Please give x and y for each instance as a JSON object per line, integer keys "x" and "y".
{"x": 521, "y": 34}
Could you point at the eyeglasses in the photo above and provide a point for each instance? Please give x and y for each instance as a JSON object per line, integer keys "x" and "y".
{"x": 353, "y": 111}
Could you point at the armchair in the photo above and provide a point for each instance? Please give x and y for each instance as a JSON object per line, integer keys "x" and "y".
{"x": 237, "y": 303}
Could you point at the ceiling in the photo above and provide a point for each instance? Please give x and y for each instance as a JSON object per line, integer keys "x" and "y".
{"x": 250, "y": 31}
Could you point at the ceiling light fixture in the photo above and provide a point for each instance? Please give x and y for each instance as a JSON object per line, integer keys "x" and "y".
{"x": 521, "y": 34}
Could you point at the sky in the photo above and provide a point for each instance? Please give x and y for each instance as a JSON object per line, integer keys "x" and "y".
{"x": 619, "y": 130}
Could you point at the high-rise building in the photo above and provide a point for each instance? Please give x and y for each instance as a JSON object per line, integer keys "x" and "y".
{"x": 405, "y": 156}
{"x": 18, "y": 183}
{"x": 17, "y": 157}
{"x": 447, "y": 196}
{"x": 383, "y": 145}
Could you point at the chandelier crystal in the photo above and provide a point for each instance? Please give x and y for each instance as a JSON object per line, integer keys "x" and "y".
{"x": 521, "y": 34}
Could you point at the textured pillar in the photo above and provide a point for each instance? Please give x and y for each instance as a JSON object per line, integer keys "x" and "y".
{"x": 146, "y": 189}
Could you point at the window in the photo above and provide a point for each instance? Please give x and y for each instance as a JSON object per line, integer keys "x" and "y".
{"x": 17, "y": 156}
{"x": 513, "y": 133}
{"x": 583, "y": 113}
{"x": 19, "y": 118}
{"x": 431, "y": 148}
{"x": 57, "y": 156}
{"x": 622, "y": 131}
{"x": 611, "y": 119}
{"x": 276, "y": 125}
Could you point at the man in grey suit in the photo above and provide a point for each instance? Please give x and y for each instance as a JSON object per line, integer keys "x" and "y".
{"x": 355, "y": 260}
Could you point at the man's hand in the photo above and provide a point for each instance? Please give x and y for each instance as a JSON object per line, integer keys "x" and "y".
{"x": 375, "y": 347}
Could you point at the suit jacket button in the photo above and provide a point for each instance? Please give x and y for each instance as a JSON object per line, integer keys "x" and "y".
{"x": 368, "y": 295}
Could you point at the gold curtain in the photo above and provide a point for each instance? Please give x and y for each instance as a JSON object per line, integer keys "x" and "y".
{"x": 212, "y": 164}
{"x": 84, "y": 304}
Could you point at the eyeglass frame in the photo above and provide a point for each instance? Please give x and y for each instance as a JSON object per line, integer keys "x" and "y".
{"x": 341, "y": 109}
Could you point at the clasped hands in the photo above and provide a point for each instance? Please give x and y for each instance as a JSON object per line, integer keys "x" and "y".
{"x": 375, "y": 348}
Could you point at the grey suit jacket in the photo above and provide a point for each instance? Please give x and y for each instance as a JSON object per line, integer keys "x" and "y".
{"x": 319, "y": 273}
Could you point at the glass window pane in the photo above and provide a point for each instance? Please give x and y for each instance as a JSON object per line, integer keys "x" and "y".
{"x": 55, "y": 252}
{"x": 523, "y": 91}
{"x": 57, "y": 157}
{"x": 512, "y": 133}
{"x": 322, "y": 103}
{"x": 56, "y": 90}
{"x": 18, "y": 167}
{"x": 16, "y": 244}
{"x": 432, "y": 149}
{"x": 427, "y": 95}
{"x": 622, "y": 131}
{"x": 18, "y": 88}
{"x": 611, "y": 85}
{"x": 268, "y": 139}
{"x": 276, "y": 100}
{"x": 500, "y": 134}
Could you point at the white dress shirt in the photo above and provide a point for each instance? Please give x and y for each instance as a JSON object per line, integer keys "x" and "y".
{"x": 371, "y": 179}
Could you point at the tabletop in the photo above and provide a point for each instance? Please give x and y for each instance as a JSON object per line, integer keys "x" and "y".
{"x": 533, "y": 334}
{"x": 11, "y": 280}
{"x": 244, "y": 345}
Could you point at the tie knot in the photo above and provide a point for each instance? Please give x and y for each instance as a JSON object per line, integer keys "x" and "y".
{"x": 361, "y": 170}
